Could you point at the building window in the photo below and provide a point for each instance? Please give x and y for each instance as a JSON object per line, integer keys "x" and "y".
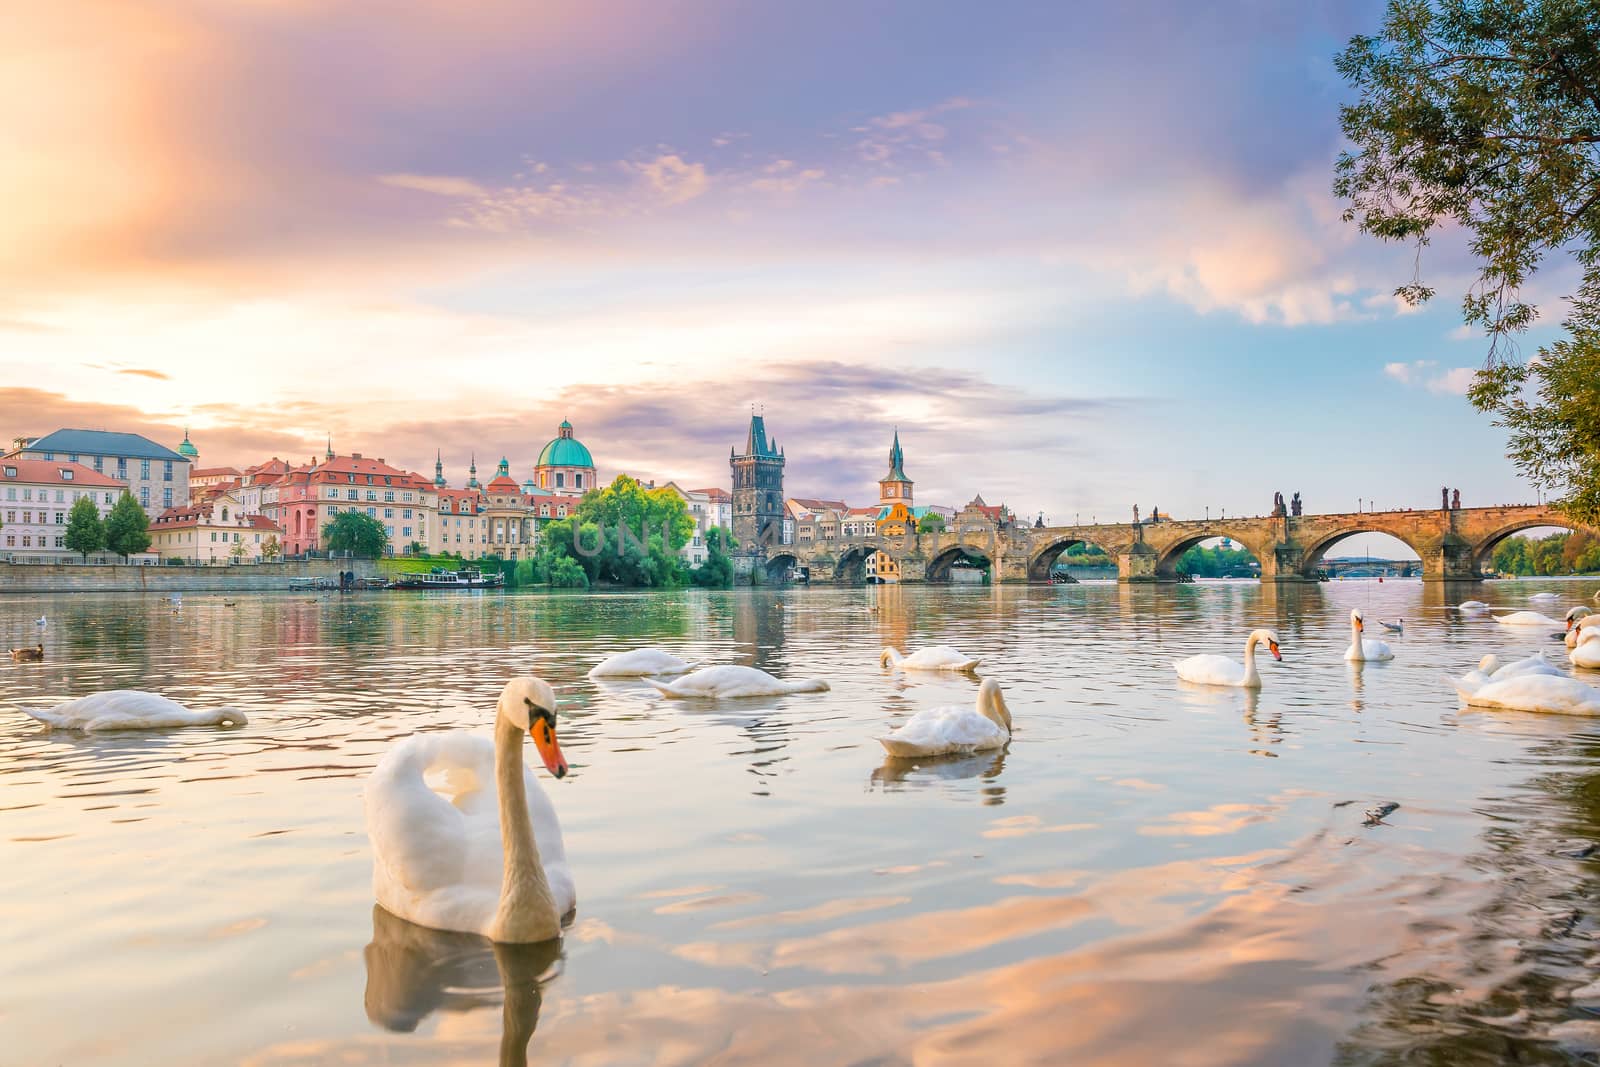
{"x": 61, "y": 518}
{"x": 166, "y": 498}
{"x": 166, "y": 472}
{"x": 144, "y": 469}
{"x": 144, "y": 496}
{"x": 577, "y": 480}
{"x": 352, "y": 494}
{"x": 122, "y": 467}
{"x": 388, "y": 496}
{"x": 560, "y": 480}
{"x": 97, "y": 461}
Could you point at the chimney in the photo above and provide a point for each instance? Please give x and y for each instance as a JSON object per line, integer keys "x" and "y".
{"x": 355, "y": 455}
{"x": 382, "y": 460}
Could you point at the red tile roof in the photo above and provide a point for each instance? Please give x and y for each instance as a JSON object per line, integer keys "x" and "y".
{"x": 49, "y": 472}
{"x": 213, "y": 472}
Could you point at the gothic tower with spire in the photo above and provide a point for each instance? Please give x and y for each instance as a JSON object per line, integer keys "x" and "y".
{"x": 895, "y": 487}
{"x": 757, "y": 497}
{"x": 438, "y": 470}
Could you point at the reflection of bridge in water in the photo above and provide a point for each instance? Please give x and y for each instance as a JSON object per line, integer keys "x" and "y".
{"x": 1452, "y": 545}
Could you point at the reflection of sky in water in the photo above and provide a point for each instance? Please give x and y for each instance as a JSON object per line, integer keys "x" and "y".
{"x": 1150, "y": 865}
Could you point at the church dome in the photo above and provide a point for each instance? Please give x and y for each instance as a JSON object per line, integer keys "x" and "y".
{"x": 565, "y": 450}
{"x": 187, "y": 449}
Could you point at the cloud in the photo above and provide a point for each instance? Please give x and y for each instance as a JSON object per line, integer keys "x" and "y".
{"x": 1425, "y": 373}
{"x": 437, "y": 184}
{"x": 671, "y": 178}
{"x": 1409, "y": 373}
{"x": 145, "y": 372}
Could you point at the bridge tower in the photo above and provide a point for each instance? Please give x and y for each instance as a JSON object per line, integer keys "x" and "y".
{"x": 757, "y": 498}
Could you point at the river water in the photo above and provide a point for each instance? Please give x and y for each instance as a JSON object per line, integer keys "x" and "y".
{"x": 1150, "y": 873}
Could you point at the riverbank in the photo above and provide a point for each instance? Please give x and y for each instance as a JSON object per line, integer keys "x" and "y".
{"x": 128, "y": 578}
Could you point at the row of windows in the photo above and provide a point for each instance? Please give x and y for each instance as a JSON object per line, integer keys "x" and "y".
{"x": 332, "y": 493}
{"x": 98, "y": 463}
{"x": 27, "y": 541}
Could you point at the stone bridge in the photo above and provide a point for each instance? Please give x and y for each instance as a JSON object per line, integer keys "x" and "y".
{"x": 1453, "y": 545}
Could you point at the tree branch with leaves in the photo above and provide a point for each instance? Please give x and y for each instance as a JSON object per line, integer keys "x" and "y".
{"x": 1485, "y": 115}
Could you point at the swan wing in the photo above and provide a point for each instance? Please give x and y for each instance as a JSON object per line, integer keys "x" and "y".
{"x": 423, "y": 840}
{"x": 939, "y": 658}
{"x": 1210, "y": 669}
{"x": 638, "y": 662}
{"x": 724, "y": 680}
{"x": 1556, "y": 694}
{"x": 1525, "y": 618}
{"x": 941, "y": 730}
{"x": 124, "y": 709}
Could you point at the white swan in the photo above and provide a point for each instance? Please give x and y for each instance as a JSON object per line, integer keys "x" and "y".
{"x": 489, "y": 858}
{"x": 130, "y": 709}
{"x": 729, "y": 681}
{"x": 1545, "y": 597}
{"x": 1472, "y": 607}
{"x": 1586, "y": 653}
{"x": 639, "y": 662}
{"x": 1210, "y": 669}
{"x": 954, "y": 729}
{"x": 1525, "y": 618}
{"x": 932, "y": 658}
{"x": 1579, "y": 619}
{"x": 41, "y": 622}
{"x": 1557, "y": 694}
{"x": 1363, "y": 649}
{"x": 1492, "y": 668}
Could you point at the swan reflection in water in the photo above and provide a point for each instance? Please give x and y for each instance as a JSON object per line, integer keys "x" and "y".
{"x": 896, "y": 772}
{"x": 413, "y": 971}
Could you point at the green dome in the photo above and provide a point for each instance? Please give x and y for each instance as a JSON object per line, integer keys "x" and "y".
{"x": 565, "y": 450}
{"x": 187, "y": 449}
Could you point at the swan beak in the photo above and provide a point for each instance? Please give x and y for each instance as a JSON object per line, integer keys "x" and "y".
{"x": 1361, "y": 627}
{"x": 544, "y": 739}
{"x": 1272, "y": 646}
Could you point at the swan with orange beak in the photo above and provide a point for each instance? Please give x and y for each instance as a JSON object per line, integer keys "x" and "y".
{"x": 483, "y": 852}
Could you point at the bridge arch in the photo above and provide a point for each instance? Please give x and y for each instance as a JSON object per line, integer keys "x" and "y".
{"x": 778, "y": 566}
{"x": 1311, "y": 559}
{"x": 851, "y": 568}
{"x": 939, "y": 566}
{"x": 1044, "y": 558}
{"x": 1172, "y": 555}
{"x": 1483, "y": 551}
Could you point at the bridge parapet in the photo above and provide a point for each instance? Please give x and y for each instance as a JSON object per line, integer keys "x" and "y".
{"x": 1452, "y": 545}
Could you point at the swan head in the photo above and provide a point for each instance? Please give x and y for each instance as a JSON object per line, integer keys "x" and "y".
{"x": 1357, "y": 621}
{"x": 530, "y": 704}
{"x": 1271, "y": 638}
{"x": 888, "y": 656}
{"x": 1577, "y": 613}
{"x": 992, "y": 703}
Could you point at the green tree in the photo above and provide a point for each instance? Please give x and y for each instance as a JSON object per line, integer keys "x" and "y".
{"x": 357, "y": 533}
{"x": 565, "y": 573}
{"x": 127, "y": 527}
{"x": 622, "y": 534}
{"x": 1485, "y": 115}
{"x": 85, "y": 532}
{"x": 716, "y": 570}
{"x": 271, "y": 548}
{"x": 932, "y": 522}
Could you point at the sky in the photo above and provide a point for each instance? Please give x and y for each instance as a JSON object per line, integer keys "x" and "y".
{"x": 1081, "y": 256}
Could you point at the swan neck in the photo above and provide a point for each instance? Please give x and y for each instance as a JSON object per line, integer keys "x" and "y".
{"x": 527, "y": 910}
{"x": 1250, "y": 674}
{"x": 992, "y": 706}
{"x": 1357, "y": 649}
